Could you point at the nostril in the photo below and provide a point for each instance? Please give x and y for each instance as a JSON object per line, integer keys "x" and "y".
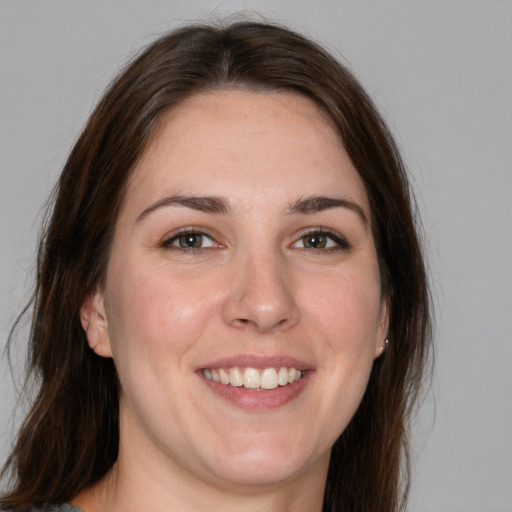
{"x": 262, "y": 308}
{"x": 241, "y": 321}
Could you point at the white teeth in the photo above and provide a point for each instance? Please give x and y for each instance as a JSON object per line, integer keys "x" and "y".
{"x": 282, "y": 377}
{"x": 224, "y": 377}
{"x": 235, "y": 377}
{"x": 269, "y": 378}
{"x": 252, "y": 378}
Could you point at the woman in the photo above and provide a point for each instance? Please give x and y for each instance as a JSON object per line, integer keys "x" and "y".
{"x": 230, "y": 249}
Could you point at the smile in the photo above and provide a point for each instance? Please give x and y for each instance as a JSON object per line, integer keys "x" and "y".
{"x": 254, "y": 378}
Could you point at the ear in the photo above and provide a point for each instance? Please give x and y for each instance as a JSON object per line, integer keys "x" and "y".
{"x": 95, "y": 324}
{"x": 381, "y": 340}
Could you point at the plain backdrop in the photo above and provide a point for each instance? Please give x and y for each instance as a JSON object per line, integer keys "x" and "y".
{"x": 441, "y": 73}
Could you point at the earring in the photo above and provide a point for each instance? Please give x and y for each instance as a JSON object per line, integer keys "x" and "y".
{"x": 385, "y": 346}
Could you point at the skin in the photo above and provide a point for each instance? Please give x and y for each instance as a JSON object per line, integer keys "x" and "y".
{"x": 255, "y": 288}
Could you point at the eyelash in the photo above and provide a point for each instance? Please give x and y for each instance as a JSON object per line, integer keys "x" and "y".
{"x": 341, "y": 243}
{"x": 169, "y": 242}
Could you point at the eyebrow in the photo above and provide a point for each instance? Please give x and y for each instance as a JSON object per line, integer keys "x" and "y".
{"x": 207, "y": 204}
{"x": 219, "y": 205}
{"x": 313, "y": 204}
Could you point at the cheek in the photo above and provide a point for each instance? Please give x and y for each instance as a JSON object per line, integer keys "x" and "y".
{"x": 156, "y": 311}
{"x": 349, "y": 308}
{"x": 345, "y": 317}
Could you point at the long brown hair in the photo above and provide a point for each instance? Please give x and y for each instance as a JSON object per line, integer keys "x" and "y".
{"x": 69, "y": 440}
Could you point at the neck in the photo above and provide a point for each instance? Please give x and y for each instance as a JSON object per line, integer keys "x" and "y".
{"x": 146, "y": 477}
{"x": 134, "y": 486}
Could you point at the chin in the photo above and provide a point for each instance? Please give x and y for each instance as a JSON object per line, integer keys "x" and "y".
{"x": 266, "y": 462}
{"x": 260, "y": 472}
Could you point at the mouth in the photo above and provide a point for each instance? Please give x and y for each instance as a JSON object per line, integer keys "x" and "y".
{"x": 257, "y": 379}
{"x": 257, "y": 383}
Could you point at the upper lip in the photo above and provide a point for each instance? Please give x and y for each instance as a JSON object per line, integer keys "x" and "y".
{"x": 257, "y": 361}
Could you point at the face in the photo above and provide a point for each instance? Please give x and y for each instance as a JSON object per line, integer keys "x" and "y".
{"x": 242, "y": 303}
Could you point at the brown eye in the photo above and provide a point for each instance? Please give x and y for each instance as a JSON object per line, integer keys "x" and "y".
{"x": 321, "y": 240}
{"x": 190, "y": 240}
{"x": 315, "y": 241}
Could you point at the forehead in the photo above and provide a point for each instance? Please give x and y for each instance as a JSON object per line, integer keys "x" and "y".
{"x": 235, "y": 143}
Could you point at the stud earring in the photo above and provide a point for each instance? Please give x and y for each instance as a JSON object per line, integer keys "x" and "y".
{"x": 385, "y": 346}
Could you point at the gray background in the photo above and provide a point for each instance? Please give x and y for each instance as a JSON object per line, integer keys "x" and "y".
{"x": 441, "y": 72}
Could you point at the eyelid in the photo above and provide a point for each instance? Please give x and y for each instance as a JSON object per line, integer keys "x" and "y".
{"x": 170, "y": 238}
{"x": 340, "y": 240}
{"x": 335, "y": 236}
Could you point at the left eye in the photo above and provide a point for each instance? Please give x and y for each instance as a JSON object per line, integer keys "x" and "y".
{"x": 320, "y": 240}
{"x": 190, "y": 240}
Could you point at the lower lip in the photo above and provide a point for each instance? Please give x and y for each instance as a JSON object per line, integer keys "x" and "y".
{"x": 258, "y": 401}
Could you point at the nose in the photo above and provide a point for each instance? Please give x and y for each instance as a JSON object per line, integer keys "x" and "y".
{"x": 261, "y": 295}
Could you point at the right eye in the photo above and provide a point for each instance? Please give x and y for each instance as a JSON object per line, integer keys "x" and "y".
{"x": 190, "y": 240}
{"x": 322, "y": 239}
